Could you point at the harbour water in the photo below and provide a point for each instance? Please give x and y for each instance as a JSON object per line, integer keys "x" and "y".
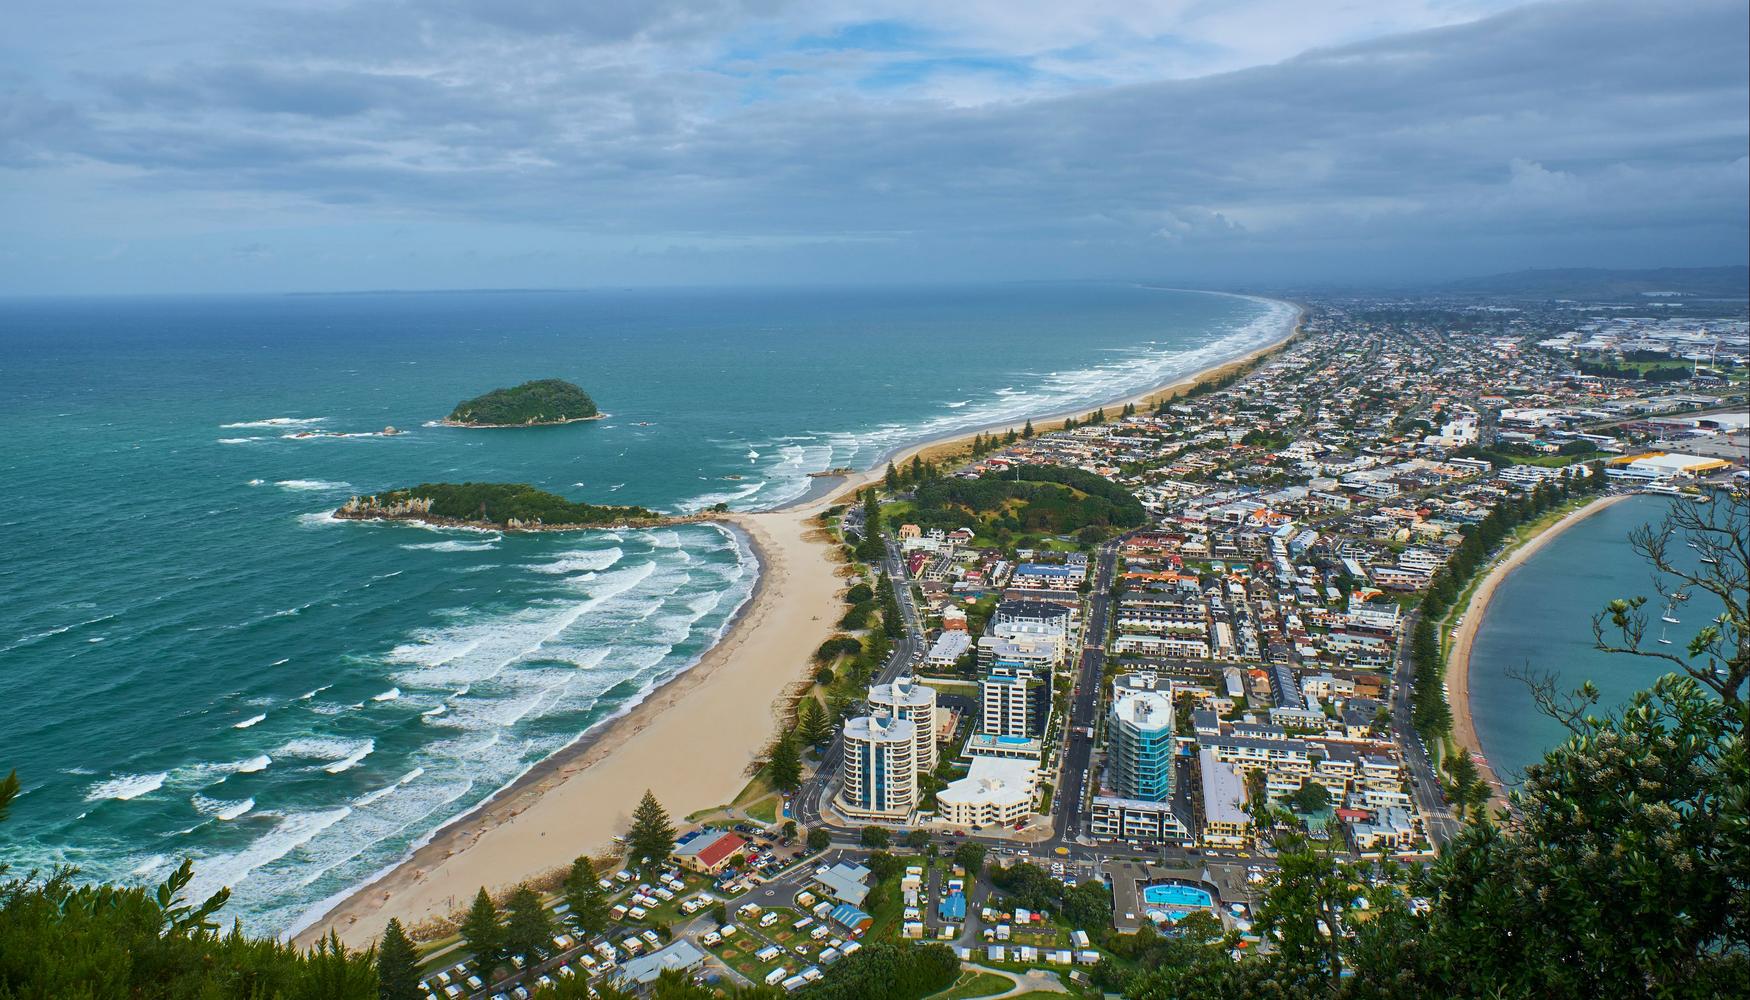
{"x": 198, "y": 662}
{"x": 1541, "y": 619}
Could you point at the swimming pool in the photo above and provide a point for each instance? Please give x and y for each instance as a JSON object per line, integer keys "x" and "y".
{"x": 1173, "y": 894}
{"x": 1173, "y": 900}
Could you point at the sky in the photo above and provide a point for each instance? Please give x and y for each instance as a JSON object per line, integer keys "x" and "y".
{"x": 337, "y": 145}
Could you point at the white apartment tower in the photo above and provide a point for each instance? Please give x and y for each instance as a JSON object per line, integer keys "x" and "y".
{"x": 879, "y": 779}
{"x": 906, "y": 699}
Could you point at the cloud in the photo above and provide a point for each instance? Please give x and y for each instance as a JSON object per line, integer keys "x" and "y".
{"x": 908, "y": 139}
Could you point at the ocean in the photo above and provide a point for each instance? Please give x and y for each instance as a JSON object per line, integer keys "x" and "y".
{"x": 1541, "y": 619}
{"x": 199, "y": 662}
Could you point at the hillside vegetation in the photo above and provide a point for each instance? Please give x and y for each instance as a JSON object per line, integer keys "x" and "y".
{"x": 546, "y": 401}
{"x": 1043, "y": 499}
{"x": 500, "y": 503}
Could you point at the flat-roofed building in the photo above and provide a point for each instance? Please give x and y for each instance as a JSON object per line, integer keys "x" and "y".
{"x": 1226, "y": 823}
{"x": 995, "y": 792}
{"x": 878, "y": 779}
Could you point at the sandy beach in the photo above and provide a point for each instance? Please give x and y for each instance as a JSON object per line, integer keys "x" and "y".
{"x": 957, "y": 444}
{"x": 1464, "y": 730}
{"x": 691, "y": 742}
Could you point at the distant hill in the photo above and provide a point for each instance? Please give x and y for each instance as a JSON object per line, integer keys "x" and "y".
{"x": 1592, "y": 283}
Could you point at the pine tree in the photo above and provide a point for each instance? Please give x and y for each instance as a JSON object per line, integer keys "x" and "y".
{"x": 586, "y": 902}
{"x": 785, "y": 767}
{"x": 484, "y": 931}
{"x": 529, "y": 931}
{"x": 651, "y": 838}
{"x": 891, "y": 478}
{"x": 812, "y": 724}
{"x": 917, "y": 469}
{"x": 397, "y": 965}
{"x": 1027, "y": 431}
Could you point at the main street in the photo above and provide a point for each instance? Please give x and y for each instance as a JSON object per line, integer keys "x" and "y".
{"x": 1425, "y": 786}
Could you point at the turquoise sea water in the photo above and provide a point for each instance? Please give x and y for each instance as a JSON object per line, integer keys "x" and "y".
{"x": 198, "y": 662}
{"x": 1541, "y": 618}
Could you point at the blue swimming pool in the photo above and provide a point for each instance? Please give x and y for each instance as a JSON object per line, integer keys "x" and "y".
{"x": 1181, "y": 896}
{"x": 1171, "y": 901}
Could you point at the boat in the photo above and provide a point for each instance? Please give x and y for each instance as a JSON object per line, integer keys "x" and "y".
{"x": 1670, "y": 615}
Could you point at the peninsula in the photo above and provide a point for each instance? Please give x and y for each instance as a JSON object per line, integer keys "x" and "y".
{"x": 503, "y": 506}
{"x": 533, "y": 404}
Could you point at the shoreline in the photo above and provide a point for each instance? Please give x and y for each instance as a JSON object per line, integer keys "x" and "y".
{"x": 837, "y": 489}
{"x": 554, "y": 811}
{"x": 447, "y": 422}
{"x": 1464, "y": 732}
{"x": 747, "y": 671}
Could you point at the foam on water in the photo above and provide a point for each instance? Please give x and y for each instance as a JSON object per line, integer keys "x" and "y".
{"x": 127, "y": 786}
{"x": 581, "y": 561}
{"x": 353, "y": 759}
{"x": 246, "y": 723}
{"x": 275, "y": 422}
{"x": 453, "y": 545}
{"x": 312, "y": 485}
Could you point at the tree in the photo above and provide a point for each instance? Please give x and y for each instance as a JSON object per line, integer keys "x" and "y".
{"x": 529, "y": 931}
{"x": 1311, "y": 797}
{"x": 1088, "y": 905}
{"x": 819, "y": 839}
{"x": 875, "y": 836}
{"x": 483, "y": 930}
{"x": 651, "y": 838}
{"x": 586, "y": 900}
{"x": 883, "y": 866}
{"x": 917, "y": 840}
{"x": 785, "y": 767}
{"x": 970, "y": 856}
{"x": 1465, "y": 779}
{"x": 1719, "y": 533}
{"x": 812, "y": 725}
{"x": 1027, "y": 430}
{"x": 397, "y": 965}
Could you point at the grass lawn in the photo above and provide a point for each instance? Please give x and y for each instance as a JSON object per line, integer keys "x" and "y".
{"x": 972, "y": 985}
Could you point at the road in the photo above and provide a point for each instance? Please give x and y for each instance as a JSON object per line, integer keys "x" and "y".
{"x": 1078, "y": 753}
{"x": 1425, "y": 787}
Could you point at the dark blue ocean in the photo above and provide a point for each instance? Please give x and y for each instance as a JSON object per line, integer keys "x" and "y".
{"x": 198, "y": 662}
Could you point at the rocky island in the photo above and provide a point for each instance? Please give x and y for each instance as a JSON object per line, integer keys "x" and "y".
{"x": 502, "y": 506}
{"x": 532, "y": 404}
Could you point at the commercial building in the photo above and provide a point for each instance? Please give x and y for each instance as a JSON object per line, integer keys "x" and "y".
{"x": 1139, "y": 750}
{"x": 1137, "y": 802}
{"x": 906, "y": 699}
{"x": 878, "y": 779}
{"x": 682, "y": 955}
{"x": 708, "y": 851}
{"x": 1016, "y": 700}
{"x": 1225, "y": 820}
{"x": 995, "y": 792}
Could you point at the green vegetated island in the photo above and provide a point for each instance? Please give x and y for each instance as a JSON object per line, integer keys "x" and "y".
{"x": 532, "y": 404}
{"x": 503, "y": 506}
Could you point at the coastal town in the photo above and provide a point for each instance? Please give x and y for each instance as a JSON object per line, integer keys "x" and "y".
{"x": 1092, "y": 671}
